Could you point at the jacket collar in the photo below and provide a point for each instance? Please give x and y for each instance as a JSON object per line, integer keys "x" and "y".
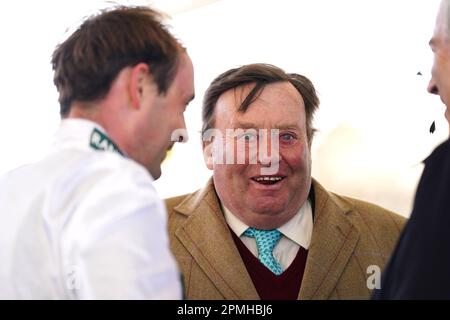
{"x": 205, "y": 233}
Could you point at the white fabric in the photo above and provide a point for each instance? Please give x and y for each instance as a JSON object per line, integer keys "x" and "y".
{"x": 83, "y": 224}
{"x": 296, "y": 233}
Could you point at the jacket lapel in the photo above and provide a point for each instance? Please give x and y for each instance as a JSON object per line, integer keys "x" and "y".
{"x": 333, "y": 241}
{"x": 207, "y": 237}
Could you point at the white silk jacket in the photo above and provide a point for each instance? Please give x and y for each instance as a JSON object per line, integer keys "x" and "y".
{"x": 84, "y": 223}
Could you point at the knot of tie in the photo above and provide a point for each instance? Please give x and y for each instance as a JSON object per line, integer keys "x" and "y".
{"x": 266, "y": 240}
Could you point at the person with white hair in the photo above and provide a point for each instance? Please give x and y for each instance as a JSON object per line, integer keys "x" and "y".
{"x": 420, "y": 266}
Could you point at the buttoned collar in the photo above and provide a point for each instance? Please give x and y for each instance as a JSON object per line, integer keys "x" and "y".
{"x": 298, "y": 228}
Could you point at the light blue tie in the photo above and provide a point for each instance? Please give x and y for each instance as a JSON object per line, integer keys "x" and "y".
{"x": 266, "y": 240}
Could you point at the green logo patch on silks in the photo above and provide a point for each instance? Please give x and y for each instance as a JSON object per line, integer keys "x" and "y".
{"x": 100, "y": 141}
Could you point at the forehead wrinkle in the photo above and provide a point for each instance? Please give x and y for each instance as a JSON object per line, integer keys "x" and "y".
{"x": 287, "y": 94}
{"x": 290, "y": 95}
{"x": 231, "y": 100}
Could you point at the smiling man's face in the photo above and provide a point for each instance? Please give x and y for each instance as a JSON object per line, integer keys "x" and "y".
{"x": 262, "y": 200}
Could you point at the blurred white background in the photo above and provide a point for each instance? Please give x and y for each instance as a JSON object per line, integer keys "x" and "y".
{"x": 362, "y": 55}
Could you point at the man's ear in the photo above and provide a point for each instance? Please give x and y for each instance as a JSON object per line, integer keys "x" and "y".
{"x": 139, "y": 77}
{"x": 208, "y": 154}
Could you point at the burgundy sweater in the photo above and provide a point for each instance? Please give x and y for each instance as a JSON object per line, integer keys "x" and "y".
{"x": 268, "y": 285}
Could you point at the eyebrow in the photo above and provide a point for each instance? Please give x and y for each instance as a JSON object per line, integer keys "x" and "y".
{"x": 249, "y": 125}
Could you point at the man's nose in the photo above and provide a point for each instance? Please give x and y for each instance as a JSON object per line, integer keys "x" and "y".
{"x": 180, "y": 134}
{"x": 432, "y": 88}
{"x": 268, "y": 150}
{"x": 184, "y": 135}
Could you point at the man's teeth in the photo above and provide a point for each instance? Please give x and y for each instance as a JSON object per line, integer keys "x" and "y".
{"x": 260, "y": 179}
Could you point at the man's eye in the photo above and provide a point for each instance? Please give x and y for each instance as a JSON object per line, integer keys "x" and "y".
{"x": 287, "y": 137}
{"x": 248, "y": 137}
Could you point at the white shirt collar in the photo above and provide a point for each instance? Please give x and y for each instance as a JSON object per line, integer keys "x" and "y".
{"x": 298, "y": 229}
{"x": 79, "y": 134}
